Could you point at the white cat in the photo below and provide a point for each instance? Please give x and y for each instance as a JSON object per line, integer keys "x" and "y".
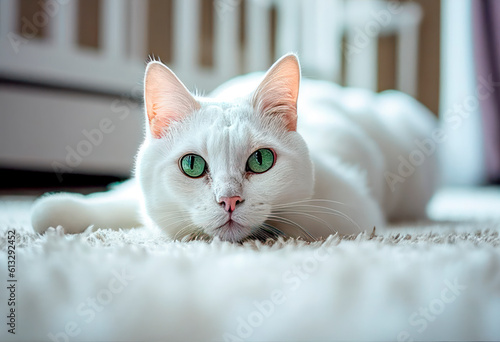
{"x": 241, "y": 164}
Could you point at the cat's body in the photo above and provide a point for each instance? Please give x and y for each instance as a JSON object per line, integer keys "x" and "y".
{"x": 336, "y": 170}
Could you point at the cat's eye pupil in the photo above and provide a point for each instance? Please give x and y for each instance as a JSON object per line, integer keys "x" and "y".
{"x": 192, "y": 165}
{"x": 258, "y": 156}
{"x": 261, "y": 160}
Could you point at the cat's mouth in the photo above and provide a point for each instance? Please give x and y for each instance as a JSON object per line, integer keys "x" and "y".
{"x": 230, "y": 224}
{"x": 231, "y": 231}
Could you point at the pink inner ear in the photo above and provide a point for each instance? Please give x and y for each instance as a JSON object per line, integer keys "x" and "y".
{"x": 166, "y": 98}
{"x": 159, "y": 120}
{"x": 278, "y": 92}
{"x": 282, "y": 104}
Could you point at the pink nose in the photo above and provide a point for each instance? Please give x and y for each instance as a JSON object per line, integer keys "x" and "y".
{"x": 230, "y": 203}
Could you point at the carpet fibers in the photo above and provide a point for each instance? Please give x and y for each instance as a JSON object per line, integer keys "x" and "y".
{"x": 436, "y": 280}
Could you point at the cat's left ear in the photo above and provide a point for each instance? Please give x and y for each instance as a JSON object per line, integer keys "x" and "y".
{"x": 277, "y": 93}
{"x": 166, "y": 98}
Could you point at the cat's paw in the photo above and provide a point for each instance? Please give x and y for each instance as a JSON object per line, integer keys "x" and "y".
{"x": 64, "y": 209}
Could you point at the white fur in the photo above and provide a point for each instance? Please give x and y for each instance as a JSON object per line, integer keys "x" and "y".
{"x": 329, "y": 176}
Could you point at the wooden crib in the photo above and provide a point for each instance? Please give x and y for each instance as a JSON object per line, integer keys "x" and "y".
{"x": 335, "y": 39}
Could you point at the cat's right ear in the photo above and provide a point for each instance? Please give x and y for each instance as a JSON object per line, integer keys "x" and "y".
{"x": 166, "y": 98}
{"x": 278, "y": 92}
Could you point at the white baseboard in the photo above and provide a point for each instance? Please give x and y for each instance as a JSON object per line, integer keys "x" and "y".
{"x": 61, "y": 131}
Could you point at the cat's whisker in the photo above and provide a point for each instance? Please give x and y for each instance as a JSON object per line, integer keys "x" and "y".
{"x": 177, "y": 210}
{"x": 310, "y": 201}
{"x": 178, "y": 223}
{"x": 330, "y": 211}
{"x": 167, "y": 218}
{"x": 168, "y": 223}
{"x": 309, "y": 215}
{"x": 263, "y": 233}
{"x": 326, "y": 212}
{"x": 197, "y": 235}
{"x": 273, "y": 229}
{"x": 292, "y": 223}
{"x": 179, "y": 233}
{"x": 185, "y": 231}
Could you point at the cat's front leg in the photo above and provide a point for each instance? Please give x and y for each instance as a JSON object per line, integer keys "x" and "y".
{"x": 114, "y": 209}
{"x": 63, "y": 209}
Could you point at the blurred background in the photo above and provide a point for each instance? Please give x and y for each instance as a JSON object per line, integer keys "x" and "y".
{"x": 71, "y": 72}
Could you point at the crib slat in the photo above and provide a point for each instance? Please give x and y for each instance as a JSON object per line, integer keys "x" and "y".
{"x": 288, "y": 27}
{"x": 186, "y": 22}
{"x": 138, "y": 29}
{"x": 361, "y": 65}
{"x": 63, "y": 27}
{"x": 407, "y": 52}
{"x": 361, "y": 45}
{"x": 8, "y": 14}
{"x": 407, "y": 49}
{"x": 226, "y": 40}
{"x": 257, "y": 52}
{"x": 112, "y": 33}
{"x": 309, "y": 38}
{"x": 329, "y": 31}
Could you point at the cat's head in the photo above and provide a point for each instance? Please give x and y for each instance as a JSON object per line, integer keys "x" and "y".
{"x": 220, "y": 167}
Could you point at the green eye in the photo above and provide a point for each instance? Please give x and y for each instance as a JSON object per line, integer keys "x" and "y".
{"x": 193, "y": 165}
{"x": 261, "y": 160}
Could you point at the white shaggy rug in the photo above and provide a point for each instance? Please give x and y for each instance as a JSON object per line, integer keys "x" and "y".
{"x": 427, "y": 281}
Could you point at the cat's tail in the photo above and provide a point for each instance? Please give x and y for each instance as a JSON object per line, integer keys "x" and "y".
{"x": 114, "y": 209}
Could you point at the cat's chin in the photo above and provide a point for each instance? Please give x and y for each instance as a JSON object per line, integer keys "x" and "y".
{"x": 231, "y": 231}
